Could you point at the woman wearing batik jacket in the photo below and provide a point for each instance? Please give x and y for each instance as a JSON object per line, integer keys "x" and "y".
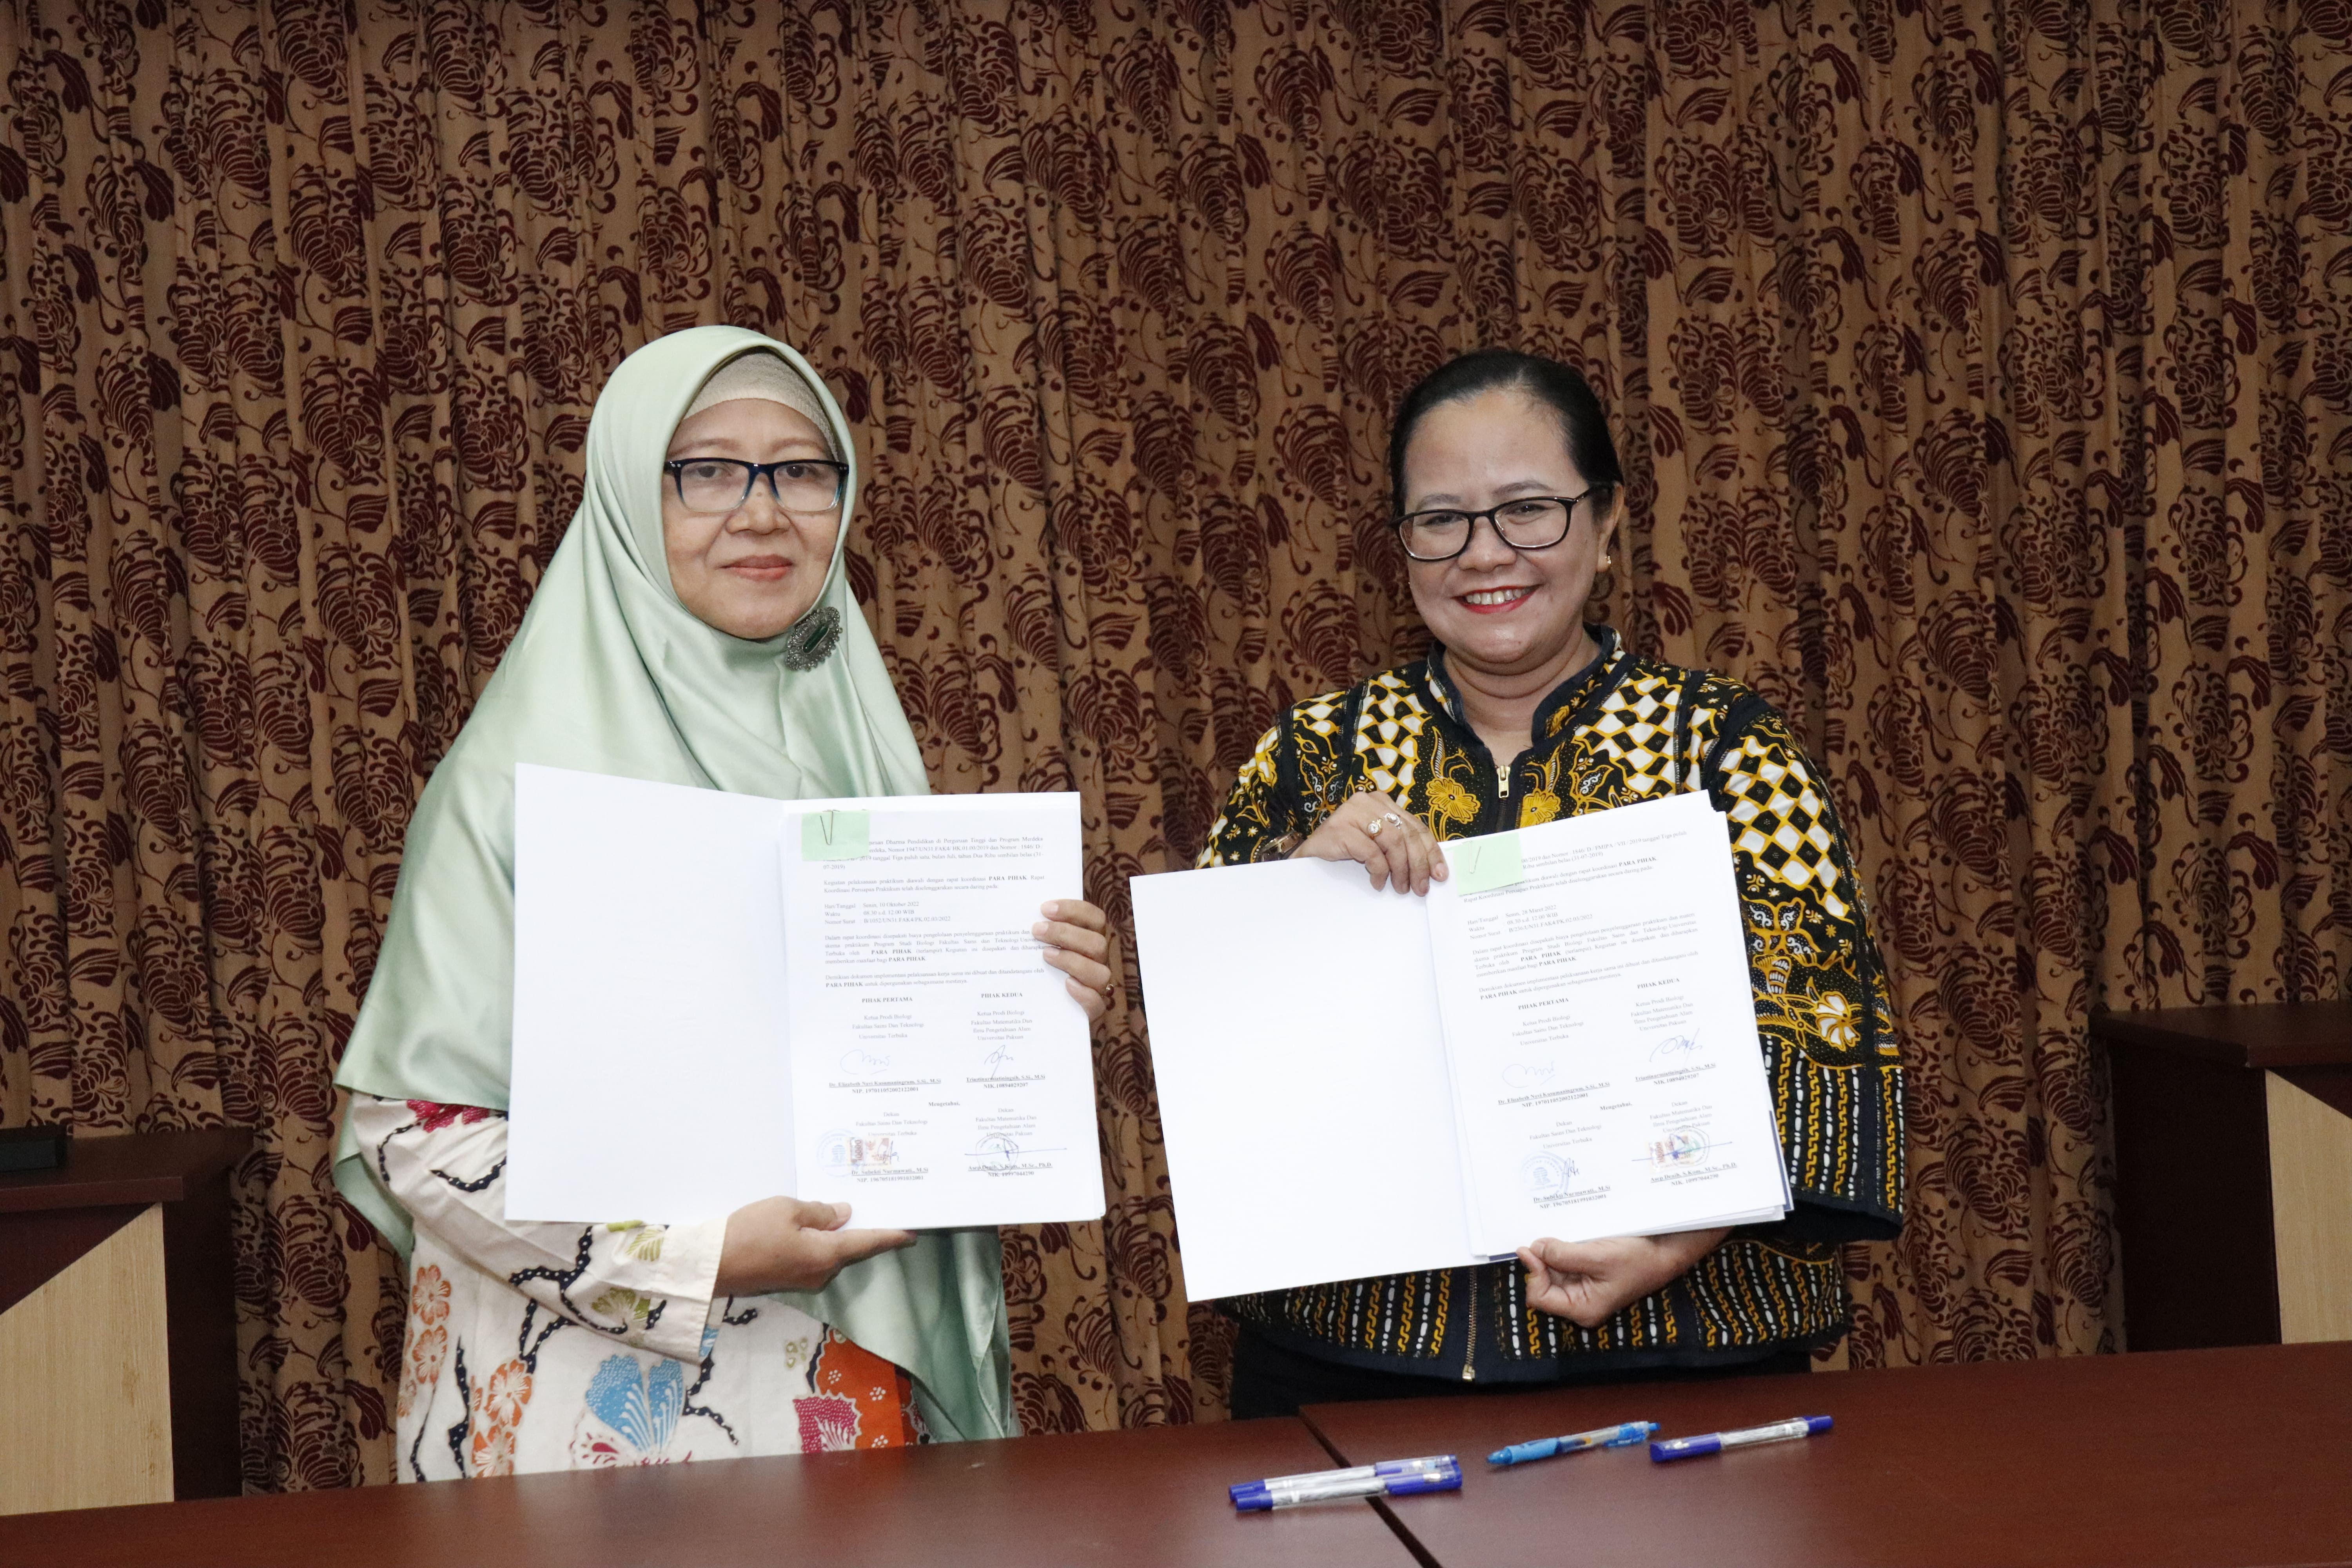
{"x": 1507, "y": 493}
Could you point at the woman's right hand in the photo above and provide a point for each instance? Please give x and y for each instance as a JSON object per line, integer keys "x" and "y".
{"x": 784, "y": 1243}
{"x": 1388, "y": 840}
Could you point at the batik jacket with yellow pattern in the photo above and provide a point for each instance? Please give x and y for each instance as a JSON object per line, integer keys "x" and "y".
{"x": 1624, "y": 729}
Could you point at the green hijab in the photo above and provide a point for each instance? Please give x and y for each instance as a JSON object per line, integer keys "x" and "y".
{"x": 610, "y": 673}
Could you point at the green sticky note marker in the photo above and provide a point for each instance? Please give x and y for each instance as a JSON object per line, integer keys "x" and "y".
{"x": 832, "y": 835}
{"x": 1479, "y": 865}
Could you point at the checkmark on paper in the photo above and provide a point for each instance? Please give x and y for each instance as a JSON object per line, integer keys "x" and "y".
{"x": 833, "y": 835}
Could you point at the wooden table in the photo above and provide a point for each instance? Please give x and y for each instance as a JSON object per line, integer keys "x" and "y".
{"x": 118, "y": 1324}
{"x": 2233, "y": 1171}
{"x": 1134, "y": 1499}
{"x": 2223, "y": 1459}
{"x": 2218, "y": 1458}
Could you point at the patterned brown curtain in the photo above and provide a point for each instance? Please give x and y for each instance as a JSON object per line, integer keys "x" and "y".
{"x": 1985, "y": 374}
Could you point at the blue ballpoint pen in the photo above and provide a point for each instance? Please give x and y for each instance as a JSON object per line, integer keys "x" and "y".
{"x": 1396, "y": 1477}
{"x": 1717, "y": 1442}
{"x": 1622, "y": 1435}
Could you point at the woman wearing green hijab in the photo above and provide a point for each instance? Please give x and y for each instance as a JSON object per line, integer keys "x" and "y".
{"x": 694, "y": 627}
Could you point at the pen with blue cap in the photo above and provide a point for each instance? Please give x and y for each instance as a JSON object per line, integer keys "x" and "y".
{"x": 1747, "y": 1436}
{"x": 1389, "y": 1477}
{"x": 1623, "y": 1434}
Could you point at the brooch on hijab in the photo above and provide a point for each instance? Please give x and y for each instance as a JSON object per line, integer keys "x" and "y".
{"x": 811, "y": 639}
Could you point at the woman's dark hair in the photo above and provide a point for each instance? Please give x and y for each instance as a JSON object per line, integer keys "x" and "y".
{"x": 1555, "y": 385}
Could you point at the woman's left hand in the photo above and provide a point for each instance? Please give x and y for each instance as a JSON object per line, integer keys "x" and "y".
{"x": 1589, "y": 1282}
{"x": 1077, "y": 943}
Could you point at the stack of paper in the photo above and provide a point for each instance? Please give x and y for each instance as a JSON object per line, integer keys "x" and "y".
{"x": 1557, "y": 1041}
{"x": 720, "y": 998}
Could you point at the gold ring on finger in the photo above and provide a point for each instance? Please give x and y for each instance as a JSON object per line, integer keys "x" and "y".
{"x": 1392, "y": 819}
{"x": 1372, "y": 828}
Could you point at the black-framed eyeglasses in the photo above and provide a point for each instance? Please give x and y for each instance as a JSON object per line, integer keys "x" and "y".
{"x": 1523, "y": 522}
{"x": 805, "y": 485}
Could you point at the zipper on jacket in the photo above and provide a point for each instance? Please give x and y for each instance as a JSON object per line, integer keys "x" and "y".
{"x": 1503, "y": 781}
{"x": 1470, "y": 1339}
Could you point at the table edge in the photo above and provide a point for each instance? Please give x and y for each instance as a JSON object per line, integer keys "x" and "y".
{"x": 211, "y": 1151}
{"x": 2173, "y": 1030}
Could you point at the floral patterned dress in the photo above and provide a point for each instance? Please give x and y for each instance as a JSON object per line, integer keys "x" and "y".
{"x": 537, "y": 1346}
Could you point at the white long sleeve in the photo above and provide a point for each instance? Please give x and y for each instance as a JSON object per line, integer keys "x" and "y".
{"x": 648, "y": 1285}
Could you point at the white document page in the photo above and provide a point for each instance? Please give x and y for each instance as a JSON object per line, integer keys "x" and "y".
{"x": 944, "y": 1075}
{"x": 1300, "y": 1060}
{"x": 1601, "y": 1033}
{"x": 654, "y": 1049}
{"x": 649, "y": 1077}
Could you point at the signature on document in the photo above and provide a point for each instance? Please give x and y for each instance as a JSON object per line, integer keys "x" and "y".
{"x": 1528, "y": 1075}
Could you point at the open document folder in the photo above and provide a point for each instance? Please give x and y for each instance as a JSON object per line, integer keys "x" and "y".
{"x": 720, "y": 997}
{"x": 1557, "y": 1041}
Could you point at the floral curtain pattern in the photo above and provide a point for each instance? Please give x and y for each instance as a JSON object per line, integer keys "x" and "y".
{"x": 1982, "y": 375}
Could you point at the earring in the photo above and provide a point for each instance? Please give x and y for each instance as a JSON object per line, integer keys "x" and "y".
{"x": 1604, "y": 563}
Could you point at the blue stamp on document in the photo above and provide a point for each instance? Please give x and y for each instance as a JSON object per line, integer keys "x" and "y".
{"x": 852, "y": 1153}
{"x": 1546, "y": 1173}
{"x": 1683, "y": 1147}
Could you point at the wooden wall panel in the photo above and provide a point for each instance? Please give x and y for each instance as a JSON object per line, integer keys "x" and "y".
{"x": 2311, "y": 1208}
{"x": 85, "y": 1365}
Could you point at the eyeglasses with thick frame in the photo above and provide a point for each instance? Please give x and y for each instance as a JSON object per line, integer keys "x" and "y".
{"x": 1540, "y": 518}
{"x": 794, "y": 472}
